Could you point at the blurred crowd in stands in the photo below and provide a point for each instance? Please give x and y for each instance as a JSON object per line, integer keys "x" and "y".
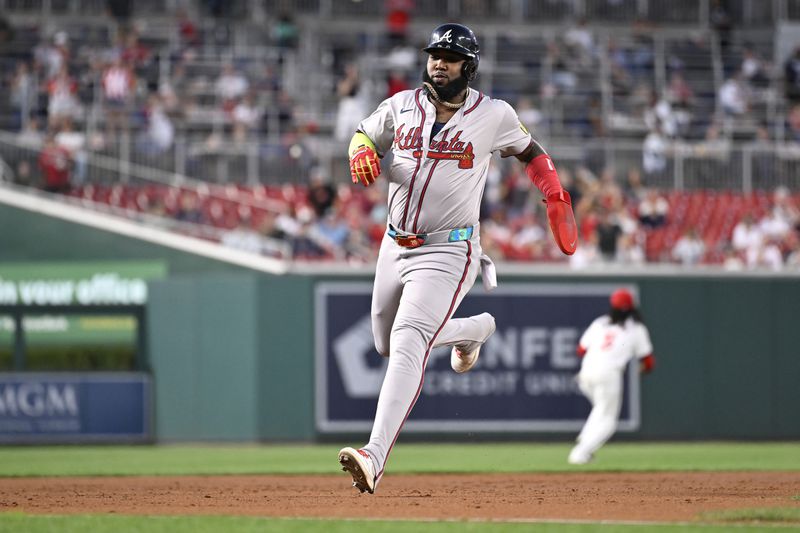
{"x": 104, "y": 92}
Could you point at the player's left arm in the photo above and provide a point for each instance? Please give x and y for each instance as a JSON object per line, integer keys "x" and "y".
{"x": 512, "y": 138}
{"x": 542, "y": 172}
{"x": 644, "y": 347}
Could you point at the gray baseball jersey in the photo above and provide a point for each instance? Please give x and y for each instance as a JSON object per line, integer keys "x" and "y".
{"x": 436, "y": 183}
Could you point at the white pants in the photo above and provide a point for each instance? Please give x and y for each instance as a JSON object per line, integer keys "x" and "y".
{"x": 415, "y": 295}
{"x": 604, "y": 391}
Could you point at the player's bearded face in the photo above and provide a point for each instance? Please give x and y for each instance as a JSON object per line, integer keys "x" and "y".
{"x": 447, "y": 86}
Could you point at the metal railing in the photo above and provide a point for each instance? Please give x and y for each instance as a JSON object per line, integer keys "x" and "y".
{"x": 19, "y": 165}
{"x": 720, "y": 165}
{"x": 742, "y": 13}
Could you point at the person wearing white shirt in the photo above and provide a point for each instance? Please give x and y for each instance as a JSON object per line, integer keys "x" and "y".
{"x": 606, "y": 347}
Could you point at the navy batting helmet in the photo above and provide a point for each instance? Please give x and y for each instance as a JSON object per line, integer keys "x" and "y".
{"x": 460, "y": 40}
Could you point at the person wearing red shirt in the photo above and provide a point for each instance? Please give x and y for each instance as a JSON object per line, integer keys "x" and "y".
{"x": 55, "y": 164}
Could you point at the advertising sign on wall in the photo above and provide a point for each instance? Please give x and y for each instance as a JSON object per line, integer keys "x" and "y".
{"x": 97, "y": 283}
{"x": 524, "y": 380}
{"x": 74, "y": 407}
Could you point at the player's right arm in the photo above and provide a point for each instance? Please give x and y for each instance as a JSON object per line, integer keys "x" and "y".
{"x": 373, "y": 138}
{"x": 364, "y": 164}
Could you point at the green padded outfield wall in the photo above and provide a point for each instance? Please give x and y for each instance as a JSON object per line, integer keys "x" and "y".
{"x": 232, "y": 350}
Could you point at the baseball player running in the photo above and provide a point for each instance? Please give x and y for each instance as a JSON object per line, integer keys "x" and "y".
{"x": 606, "y": 347}
{"x": 442, "y": 135}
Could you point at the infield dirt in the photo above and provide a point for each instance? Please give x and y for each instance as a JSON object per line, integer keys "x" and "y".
{"x": 672, "y": 496}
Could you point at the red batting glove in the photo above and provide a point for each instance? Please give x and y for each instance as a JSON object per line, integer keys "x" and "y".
{"x": 562, "y": 221}
{"x": 364, "y": 166}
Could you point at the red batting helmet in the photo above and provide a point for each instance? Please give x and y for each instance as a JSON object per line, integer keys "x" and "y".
{"x": 621, "y": 299}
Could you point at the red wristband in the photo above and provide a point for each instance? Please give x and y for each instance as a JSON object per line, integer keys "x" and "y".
{"x": 648, "y": 363}
{"x": 542, "y": 173}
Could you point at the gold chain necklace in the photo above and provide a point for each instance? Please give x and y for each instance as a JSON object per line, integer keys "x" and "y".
{"x": 435, "y": 96}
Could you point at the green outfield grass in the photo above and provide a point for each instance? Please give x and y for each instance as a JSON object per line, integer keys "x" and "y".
{"x": 406, "y": 458}
{"x": 215, "y": 524}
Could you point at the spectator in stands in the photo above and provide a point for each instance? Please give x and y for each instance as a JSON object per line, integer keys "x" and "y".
{"x": 63, "y": 101}
{"x": 396, "y": 82}
{"x": 689, "y": 249}
{"x": 654, "y": 156}
{"x": 402, "y": 57}
{"x": 285, "y": 33}
{"x": 770, "y": 255}
{"x": 304, "y": 243}
{"x": 331, "y": 232}
{"x": 653, "y": 209}
{"x": 352, "y": 103}
{"x": 748, "y": 239}
{"x": 56, "y": 165}
{"x": 621, "y": 68}
{"x": 230, "y": 87}
{"x": 722, "y": 23}
{"x": 642, "y": 54}
{"x": 31, "y": 135}
{"x": 714, "y": 151}
{"x": 134, "y": 53}
{"x": 733, "y": 96}
{"x": 398, "y": 19}
{"x": 496, "y": 232}
{"x": 580, "y": 42}
{"x": 587, "y": 254}
{"x": 159, "y": 133}
{"x": 118, "y": 83}
{"x": 50, "y": 58}
{"x": 6, "y": 33}
{"x": 732, "y": 259}
{"x": 785, "y": 207}
{"x": 23, "y": 94}
{"x": 793, "y": 124}
{"x": 189, "y": 209}
{"x": 754, "y": 69}
{"x": 529, "y": 115}
{"x": 791, "y": 74}
{"x": 269, "y": 228}
{"x": 640, "y": 100}
{"x": 775, "y": 224}
{"x": 243, "y": 237}
{"x": 321, "y": 195}
{"x": 630, "y": 249}
{"x": 764, "y": 160}
{"x": 681, "y": 98}
{"x": 609, "y": 193}
{"x": 120, "y": 10}
{"x": 678, "y": 91}
{"x": 530, "y": 237}
{"x": 633, "y": 189}
{"x": 562, "y": 79}
{"x": 246, "y": 115}
{"x": 188, "y": 33}
{"x": 793, "y": 258}
{"x": 358, "y": 247}
{"x": 608, "y": 235}
{"x": 74, "y": 142}
{"x": 661, "y": 114}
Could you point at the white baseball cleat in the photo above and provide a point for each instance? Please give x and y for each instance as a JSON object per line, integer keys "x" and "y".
{"x": 360, "y": 466}
{"x": 579, "y": 457}
{"x": 464, "y": 356}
